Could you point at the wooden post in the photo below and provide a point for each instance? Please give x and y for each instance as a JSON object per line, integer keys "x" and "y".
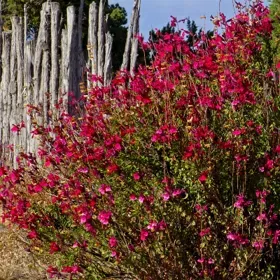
{"x": 1, "y": 40}
{"x": 92, "y": 38}
{"x": 108, "y": 59}
{"x": 131, "y": 33}
{"x": 134, "y": 40}
{"x": 6, "y": 54}
{"x": 69, "y": 56}
{"x": 12, "y": 99}
{"x": 55, "y": 42}
{"x": 101, "y": 39}
{"x": 29, "y": 51}
{"x": 42, "y": 44}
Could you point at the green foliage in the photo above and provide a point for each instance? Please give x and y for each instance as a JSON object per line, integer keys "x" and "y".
{"x": 275, "y": 16}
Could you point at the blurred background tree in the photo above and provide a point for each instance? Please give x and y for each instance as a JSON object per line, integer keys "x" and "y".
{"x": 274, "y": 6}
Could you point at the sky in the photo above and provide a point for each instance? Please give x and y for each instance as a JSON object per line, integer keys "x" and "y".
{"x": 156, "y": 13}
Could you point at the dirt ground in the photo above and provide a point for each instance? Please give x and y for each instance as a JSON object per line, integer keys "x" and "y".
{"x": 15, "y": 261}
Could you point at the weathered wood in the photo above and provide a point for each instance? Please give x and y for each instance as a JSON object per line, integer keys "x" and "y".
{"x": 64, "y": 70}
{"x": 41, "y": 46}
{"x": 92, "y": 38}
{"x": 6, "y": 54}
{"x": 28, "y": 90}
{"x": 108, "y": 59}
{"x": 55, "y": 42}
{"x": 81, "y": 59}
{"x": 25, "y": 23}
{"x": 101, "y": 38}
{"x": 69, "y": 56}
{"x": 1, "y": 40}
{"x": 134, "y": 40}
{"x": 134, "y": 22}
{"x": 20, "y": 140}
{"x": 20, "y": 59}
{"x": 12, "y": 102}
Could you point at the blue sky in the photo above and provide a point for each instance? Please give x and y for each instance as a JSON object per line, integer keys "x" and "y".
{"x": 156, "y": 13}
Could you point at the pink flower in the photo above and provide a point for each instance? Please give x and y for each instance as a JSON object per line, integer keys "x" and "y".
{"x": 176, "y": 192}
{"x": 15, "y": 128}
{"x": 104, "y": 217}
{"x": 237, "y": 238}
{"x": 201, "y": 260}
{"x": 32, "y": 234}
{"x": 54, "y": 247}
{"x": 141, "y": 198}
{"x": 166, "y": 196}
{"x": 136, "y": 176}
{"x": 104, "y": 189}
{"x": 76, "y": 244}
{"x": 84, "y": 218}
{"x": 201, "y": 208}
{"x": 74, "y": 269}
{"x": 258, "y": 245}
{"x": 277, "y": 149}
{"x": 162, "y": 225}
{"x": 113, "y": 242}
{"x": 203, "y": 177}
{"x": 90, "y": 228}
{"x": 114, "y": 254}
{"x": 152, "y": 225}
{"x": 144, "y": 235}
{"x": 238, "y": 132}
{"x": 52, "y": 271}
{"x": 132, "y": 197}
{"x": 232, "y": 236}
{"x": 204, "y": 232}
{"x": 131, "y": 247}
{"x": 241, "y": 202}
{"x": 276, "y": 236}
{"x": 83, "y": 170}
{"x": 262, "y": 195}
{"x": 262, "y": 217}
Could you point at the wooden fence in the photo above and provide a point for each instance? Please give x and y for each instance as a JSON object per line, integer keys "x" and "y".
{"x": 53, "y": 64}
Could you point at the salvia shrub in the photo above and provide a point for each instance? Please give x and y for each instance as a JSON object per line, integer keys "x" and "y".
{"x": 171, "y": 173}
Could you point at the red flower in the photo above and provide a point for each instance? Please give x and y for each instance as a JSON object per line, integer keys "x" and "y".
{"x": 52, "y": 271}
{"x": 72, "y": 269}
{"x": 204, "y": 232}
{"x": 32, "y": 234}
{"x": 259, "y": 244}
{"x": 203, "y": 177}
{"x": 104, "y": 189}
{"x": 136, "y": 176}
{"x": 241, "y": 202}
{"x": 54, "y": 247}
{"x": 104, "y": 217}
{"x": 144, "y": 234}
{"x": 113, "y": 242}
